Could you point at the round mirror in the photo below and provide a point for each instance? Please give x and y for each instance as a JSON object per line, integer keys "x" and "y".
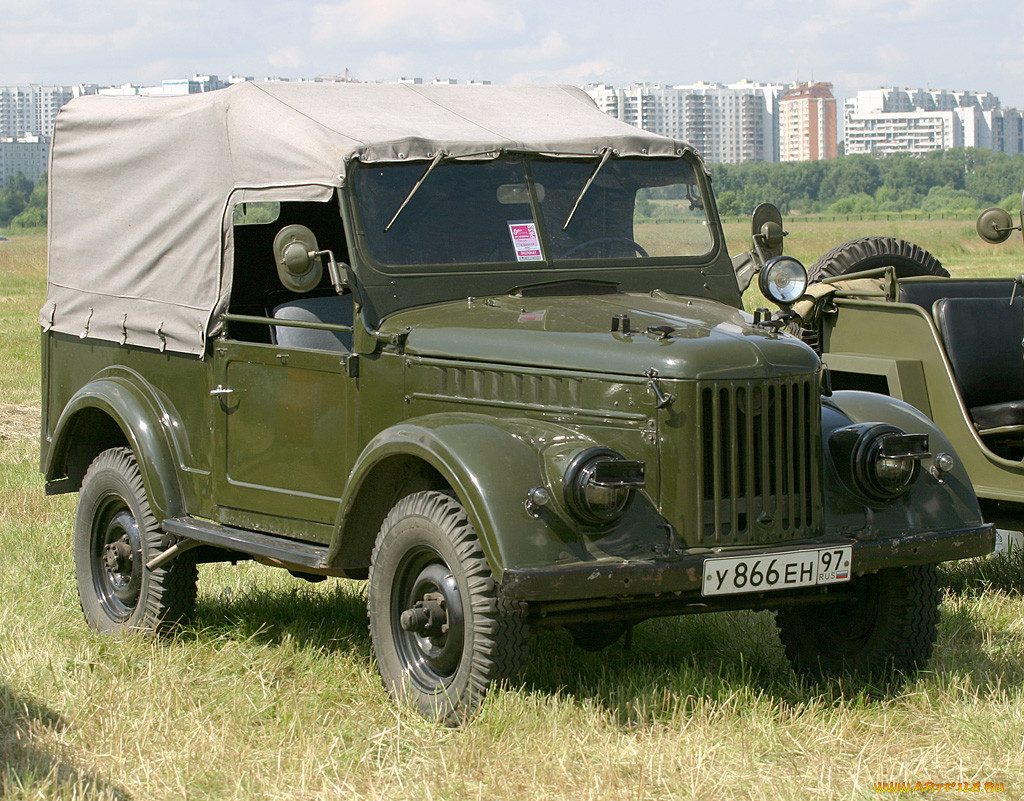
{"x": 995, "y": 225}
{"x": 295, "y": 253}
{"x": 767, "y": 229}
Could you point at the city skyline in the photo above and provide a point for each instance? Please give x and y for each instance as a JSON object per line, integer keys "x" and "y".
{"x": 850, "y": 44}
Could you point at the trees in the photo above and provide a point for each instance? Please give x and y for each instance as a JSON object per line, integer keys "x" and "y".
{"x": 896, "y": 183}
{"x": 22, "y": 205}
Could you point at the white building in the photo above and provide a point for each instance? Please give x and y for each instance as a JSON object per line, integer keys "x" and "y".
{"x": 30, "y": 110}
{"x": 727, "y": 123}
{"x": 28, "y": 155}
{"x": 895, "y": 120}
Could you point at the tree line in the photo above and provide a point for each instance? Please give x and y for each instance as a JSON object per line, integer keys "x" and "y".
{"x": 950, "y": 181}
{"x": 23, "y": 205}
{"x": 943, "y": 182}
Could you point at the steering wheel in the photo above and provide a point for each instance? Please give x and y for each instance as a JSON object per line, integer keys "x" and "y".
{"x": 602, "y": 239}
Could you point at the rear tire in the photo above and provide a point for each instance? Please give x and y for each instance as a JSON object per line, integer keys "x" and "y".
{"x": 442, "y": 633}
{"x": 867, "y": 253}
{"x": 116, "y": 534}
{"x": 888, "y": 632}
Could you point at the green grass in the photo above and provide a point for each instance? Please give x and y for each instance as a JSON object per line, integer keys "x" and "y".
{"x": 271, "y": 693}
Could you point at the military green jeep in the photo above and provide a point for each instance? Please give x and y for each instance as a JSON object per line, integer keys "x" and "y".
{"x": 482, "y": 346}
{"x": 889, "y": 318}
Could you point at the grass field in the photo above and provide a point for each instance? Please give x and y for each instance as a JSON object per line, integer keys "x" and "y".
{"x": 271, "y": 693}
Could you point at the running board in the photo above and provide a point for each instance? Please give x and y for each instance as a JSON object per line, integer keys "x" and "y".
{"x": 290, "y": 553}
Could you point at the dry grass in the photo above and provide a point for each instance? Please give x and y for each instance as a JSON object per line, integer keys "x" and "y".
{"x": 270, "y": 692}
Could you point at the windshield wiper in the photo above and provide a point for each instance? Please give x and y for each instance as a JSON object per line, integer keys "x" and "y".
{"x": 604, "y": 157}
{"x": 437, "y": 160}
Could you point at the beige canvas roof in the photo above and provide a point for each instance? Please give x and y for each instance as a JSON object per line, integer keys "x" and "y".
{"x": 142, "y": 188}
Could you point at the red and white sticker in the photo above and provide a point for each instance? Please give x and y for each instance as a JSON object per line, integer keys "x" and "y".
{"x": 525, "y": 240}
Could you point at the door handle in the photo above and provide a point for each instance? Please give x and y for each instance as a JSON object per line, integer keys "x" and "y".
{"x": 220, "y": 390}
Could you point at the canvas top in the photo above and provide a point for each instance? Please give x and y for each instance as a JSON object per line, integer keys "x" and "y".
{"x": 142, "y": 189}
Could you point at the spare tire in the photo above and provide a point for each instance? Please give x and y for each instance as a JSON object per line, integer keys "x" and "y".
{"x": 868, "y": 253}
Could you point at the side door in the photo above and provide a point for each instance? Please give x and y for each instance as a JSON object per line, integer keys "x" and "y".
{"x": 281, "y": 432}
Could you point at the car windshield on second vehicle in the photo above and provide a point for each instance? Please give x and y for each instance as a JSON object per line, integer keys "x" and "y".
{"x": 524, "y": 209}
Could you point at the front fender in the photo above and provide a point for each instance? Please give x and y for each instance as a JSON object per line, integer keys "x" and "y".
{"x": 490, "y": 464}
{"x": 132, "y": 404}
{"x": 936, "y": 501}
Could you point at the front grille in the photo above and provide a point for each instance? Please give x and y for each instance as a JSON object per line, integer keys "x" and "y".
{"x": 760, "y": 455}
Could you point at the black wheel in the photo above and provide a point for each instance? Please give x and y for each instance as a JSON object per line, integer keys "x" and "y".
{"x": 868, "y": 253}
{"x": 442, "y": 634}
{"x": 115, "y": 535}
{"x": 887, "y": 632}
{"x": 604, "y": 240}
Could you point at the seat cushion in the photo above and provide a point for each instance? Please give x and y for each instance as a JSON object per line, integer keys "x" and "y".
{"x": 330, "y": 309}
{"x": 998, "y": 415}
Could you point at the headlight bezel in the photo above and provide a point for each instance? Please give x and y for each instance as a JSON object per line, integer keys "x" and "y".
{"x": 783, "y": 280}
{"x": 878, "y": 461}
{"x": 599, "y": 484}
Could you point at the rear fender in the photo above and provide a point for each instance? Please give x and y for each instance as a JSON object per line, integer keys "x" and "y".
{"x": 126, "y": 399}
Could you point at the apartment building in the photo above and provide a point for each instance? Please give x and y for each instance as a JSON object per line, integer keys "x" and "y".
{"x": 726, "y": 122}
{"x": 30, "y": 110}
{"x": 27, "y": 155}
{"x": 807, "y": 123}
{"x": 896, "y": 120}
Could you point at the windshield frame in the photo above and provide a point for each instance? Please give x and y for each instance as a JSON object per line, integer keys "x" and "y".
{"x": 548, "y": 262}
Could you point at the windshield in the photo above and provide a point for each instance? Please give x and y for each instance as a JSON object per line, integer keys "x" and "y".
{"x": 532, "y": 209}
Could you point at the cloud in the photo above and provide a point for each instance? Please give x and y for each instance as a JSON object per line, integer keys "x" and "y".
{"x": 287, "y": 58}
{"x": 363, "y": 21}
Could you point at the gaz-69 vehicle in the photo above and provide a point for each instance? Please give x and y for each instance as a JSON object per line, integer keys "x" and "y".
{"x": 889, "y": 318}
{"x": 449, "y": 354}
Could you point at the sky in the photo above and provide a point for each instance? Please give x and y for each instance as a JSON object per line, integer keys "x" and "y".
{"x": 853, "y": 44}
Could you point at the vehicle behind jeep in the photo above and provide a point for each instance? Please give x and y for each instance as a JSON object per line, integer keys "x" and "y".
{"x": 889, "y": 318}
{"x": 430, "y": 336}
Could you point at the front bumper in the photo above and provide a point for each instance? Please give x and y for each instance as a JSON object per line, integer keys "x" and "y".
{"x": 682, "y": 573}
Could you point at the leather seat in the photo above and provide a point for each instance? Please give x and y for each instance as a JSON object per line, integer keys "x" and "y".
{"x": 983, "y": 343}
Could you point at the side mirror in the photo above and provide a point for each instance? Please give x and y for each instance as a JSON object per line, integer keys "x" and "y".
{"x": 297, "y": 257}
{"x": 767, "y": 235}
{"x": 766, "y": 223}
{"x": 995, "y": 225}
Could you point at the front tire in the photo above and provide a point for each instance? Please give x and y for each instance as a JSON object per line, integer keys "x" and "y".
{"x": 889, "y": 631}
{"x": 116, "y": 533}
{"x": 441, "y": 632}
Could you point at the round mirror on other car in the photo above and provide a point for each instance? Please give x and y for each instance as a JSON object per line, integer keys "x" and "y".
{"x": 995, "y": 225}
{"x": 783, "y": 280}
{"x": 297, "y": 257}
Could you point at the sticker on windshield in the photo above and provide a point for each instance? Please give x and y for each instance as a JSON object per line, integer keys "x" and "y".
{"x": 525, "y": 240}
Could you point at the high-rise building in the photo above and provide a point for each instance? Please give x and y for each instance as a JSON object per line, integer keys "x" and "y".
{"x": 807, "y": 123}
{"x": 27, "y": 155}
{"x": 895, "y": 120}
{"x": 30, "y": 110}
{"x": 727, "y": 123}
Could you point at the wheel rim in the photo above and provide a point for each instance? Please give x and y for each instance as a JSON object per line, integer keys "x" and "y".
{"x": 116, "y": 559}
{"x": 848, "y": 627}
{"x": 427, "y": 619}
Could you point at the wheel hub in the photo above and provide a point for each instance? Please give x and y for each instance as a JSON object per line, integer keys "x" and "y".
{"x": 117, "y": 556}
{"x": 428, "y": 618}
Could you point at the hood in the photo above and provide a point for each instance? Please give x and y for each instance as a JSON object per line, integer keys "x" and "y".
{"x": 680, "y": 337}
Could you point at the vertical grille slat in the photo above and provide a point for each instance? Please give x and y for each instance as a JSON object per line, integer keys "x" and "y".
{"x": 759, "y": 479}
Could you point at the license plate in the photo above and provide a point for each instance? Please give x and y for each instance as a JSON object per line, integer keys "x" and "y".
{"x": 728, "y": 575}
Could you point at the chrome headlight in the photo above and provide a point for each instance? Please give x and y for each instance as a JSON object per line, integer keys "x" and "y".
{"x": 783, "y": 280}
{"x": 599, "y": 484}
{"x": 876, "y": 460}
